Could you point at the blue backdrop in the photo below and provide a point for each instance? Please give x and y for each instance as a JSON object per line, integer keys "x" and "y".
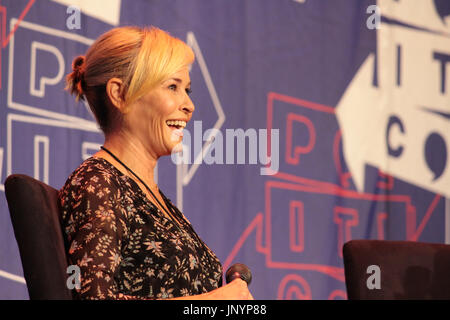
{"x": 358, "y": 94}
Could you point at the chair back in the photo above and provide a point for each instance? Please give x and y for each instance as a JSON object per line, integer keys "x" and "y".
{"x": 33, "y": 206}
{"x": 407, "y": 270}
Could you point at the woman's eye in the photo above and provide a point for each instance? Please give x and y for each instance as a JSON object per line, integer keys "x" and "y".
{"x": 174, "y": 87}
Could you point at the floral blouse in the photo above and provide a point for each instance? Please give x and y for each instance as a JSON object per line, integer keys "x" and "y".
{"x": 124, "y": 246}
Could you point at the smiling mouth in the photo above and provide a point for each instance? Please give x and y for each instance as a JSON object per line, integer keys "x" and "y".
{"x": 176, "y": 124}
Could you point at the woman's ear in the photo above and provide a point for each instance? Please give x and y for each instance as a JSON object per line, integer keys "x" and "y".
{"x": 115, "y": 91}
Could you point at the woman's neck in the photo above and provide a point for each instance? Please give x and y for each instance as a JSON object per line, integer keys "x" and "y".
{"x": 133, "y": 154}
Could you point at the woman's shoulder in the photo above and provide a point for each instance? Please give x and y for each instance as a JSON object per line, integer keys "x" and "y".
{"x": 94, "y": 184}
{"x": 93, "y": 170}
{"x": 92, "y": 192}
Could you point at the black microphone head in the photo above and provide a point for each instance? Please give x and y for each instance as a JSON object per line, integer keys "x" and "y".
{"x": 242, "y": 270}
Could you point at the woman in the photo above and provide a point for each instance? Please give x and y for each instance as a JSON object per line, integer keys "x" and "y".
{"x": 128, "y": 239}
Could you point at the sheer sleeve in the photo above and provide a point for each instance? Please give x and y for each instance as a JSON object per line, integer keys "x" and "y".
{"x": 95, "y": 225}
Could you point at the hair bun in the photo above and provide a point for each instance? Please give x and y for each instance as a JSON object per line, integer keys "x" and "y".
{"x": 74, "y": 80}
{"x": 78, "y": 64}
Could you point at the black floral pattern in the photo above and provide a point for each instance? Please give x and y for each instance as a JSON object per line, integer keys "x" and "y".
{"x": 125, "y": 248}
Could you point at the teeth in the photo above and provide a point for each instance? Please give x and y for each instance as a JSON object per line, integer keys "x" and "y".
{"x": 178, "y": 123}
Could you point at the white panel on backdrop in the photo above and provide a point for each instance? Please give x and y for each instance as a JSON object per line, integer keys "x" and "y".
{"x": 418, "y": 13}
{"x": 12, "y": 277}
{"x": 88, "y": 149}
{"x": 35, "y": 46}
{"x": 184, "y": 175}
{"x": 41, "y": 159}
{"x": 390, "y": 125}
{"x": 104, "y": 10}
{"x": 17, "y": 118}
{"x": 192, "y": 42}
{"x": 33, "y": 109}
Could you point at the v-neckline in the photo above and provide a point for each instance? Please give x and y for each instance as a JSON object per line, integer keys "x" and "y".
{"x": 176, "y": 224}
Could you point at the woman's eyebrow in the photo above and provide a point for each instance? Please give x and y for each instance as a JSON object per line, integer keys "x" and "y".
{"x": 180, "y": 81}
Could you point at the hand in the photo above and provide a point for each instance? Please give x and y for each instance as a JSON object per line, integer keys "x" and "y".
{"x": 235, "y": 290}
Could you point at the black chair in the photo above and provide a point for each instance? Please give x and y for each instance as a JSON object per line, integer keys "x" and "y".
{"x": 36, "y": 221}
{"x": 407, "y": 270}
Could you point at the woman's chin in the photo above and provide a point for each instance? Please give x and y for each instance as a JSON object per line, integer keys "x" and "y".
{"x": 177, "y": 148}
{"x": 174, "y": 143}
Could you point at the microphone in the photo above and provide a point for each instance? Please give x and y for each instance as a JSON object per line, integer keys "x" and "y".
{"x": 242, "y": 270}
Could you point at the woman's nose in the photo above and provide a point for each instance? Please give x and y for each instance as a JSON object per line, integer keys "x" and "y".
{"x": 188, "y": 107}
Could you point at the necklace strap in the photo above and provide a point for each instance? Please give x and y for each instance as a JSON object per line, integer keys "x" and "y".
{"x": 146, "y": 186}
{"x": 169, "y": 205}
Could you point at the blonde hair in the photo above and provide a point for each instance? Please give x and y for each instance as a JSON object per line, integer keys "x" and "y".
{"x": 140, "y": 57}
